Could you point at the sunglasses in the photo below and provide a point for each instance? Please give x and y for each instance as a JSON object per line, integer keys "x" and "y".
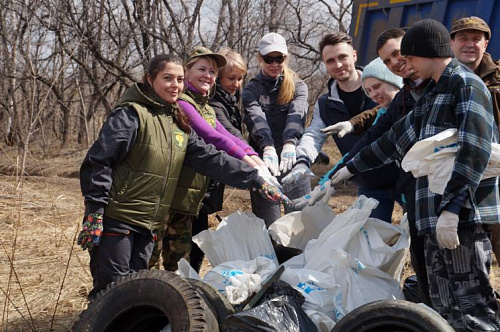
{"x": 271, "y": 59}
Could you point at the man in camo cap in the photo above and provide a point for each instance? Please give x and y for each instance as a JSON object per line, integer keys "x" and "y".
{"x": 469, "y": 39}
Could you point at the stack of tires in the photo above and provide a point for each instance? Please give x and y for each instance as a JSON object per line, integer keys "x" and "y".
{"x": 149, "y": 300}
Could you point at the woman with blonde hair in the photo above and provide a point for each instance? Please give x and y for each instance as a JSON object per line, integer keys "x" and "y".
{"x": 226, "y": 100}
{"x": 275, "y": 107}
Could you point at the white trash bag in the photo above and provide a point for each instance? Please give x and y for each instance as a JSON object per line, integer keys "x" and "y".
{"x": 360, "y": 284}
{"x": 323, "y": 296}
{"x": 374, "y": 242}
{"x": 239, "y": 236}
{"x": 295, "y": 229}
{"x": 186, "y": 270}
{"x": 237, "y": 280}
{"x": 435, "y": 156}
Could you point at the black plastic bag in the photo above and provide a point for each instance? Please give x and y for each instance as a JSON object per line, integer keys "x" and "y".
{"x": 410, "y": 289}
{"x": 279, "y": 314}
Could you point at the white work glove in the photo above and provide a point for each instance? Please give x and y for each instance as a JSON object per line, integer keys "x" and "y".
{"x": 320, "y": 191}
{"x": 340, "y": 128}
{"x": 287, "y": 157}
{"x": 264, "y": 173}
{"x": 300, "y": 170}
{"x": 324, "y": 192}
{"x": 446, "y": 230}
{"x": 270, "y": 157}
{"x": 342, "y": 175}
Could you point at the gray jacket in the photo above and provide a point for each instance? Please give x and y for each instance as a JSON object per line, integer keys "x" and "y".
{"x": 269, "y": 123}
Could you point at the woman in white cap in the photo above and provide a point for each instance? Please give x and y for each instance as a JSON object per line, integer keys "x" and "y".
{"x": 275, "y": 107}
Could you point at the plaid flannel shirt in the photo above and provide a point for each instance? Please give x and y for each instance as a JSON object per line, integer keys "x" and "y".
{"x": 458, "y": 100}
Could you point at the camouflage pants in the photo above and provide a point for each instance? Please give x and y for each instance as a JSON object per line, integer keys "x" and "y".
{"x": 459, "y": 287}
{"x": 174, "y": 243}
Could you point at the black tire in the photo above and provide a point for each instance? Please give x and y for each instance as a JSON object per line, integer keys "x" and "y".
{"x": 219, "y": 304}
{"x": 393, "y": 316}
{"x": 147, "y": 301}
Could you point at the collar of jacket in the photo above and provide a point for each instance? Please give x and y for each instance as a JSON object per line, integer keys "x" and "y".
{"x": 442, "y": 84}
{"x": 487, "y": 66}
{"x": 197, "y": 96}
{"x": 271, "y": 83}
{"x": 333, "y": 92}
{"x": 223, "y": 95}
{"x": 143, "y": 94}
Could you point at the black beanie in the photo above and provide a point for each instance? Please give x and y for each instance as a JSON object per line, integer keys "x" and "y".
{"x": 427, "y": 39}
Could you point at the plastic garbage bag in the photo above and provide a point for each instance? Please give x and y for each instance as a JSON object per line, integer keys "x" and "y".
{"x": 434, "y": 157}
{"x": 186, "y": 270}
{"x": 282, "y": 313}
{"x": 239, "y": 236}
{"x": 297, "y": 228}
{"x": 237, "y": 280}
{"x": 323, "y": 296}
{"x": 361, "y": 284}
{"x": 374, "y": 242}
{"x": 318, "y": 288}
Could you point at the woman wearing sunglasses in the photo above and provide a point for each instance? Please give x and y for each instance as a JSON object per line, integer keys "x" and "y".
{"x": 275, "y": 107}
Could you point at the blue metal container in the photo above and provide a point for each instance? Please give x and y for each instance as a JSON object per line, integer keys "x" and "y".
{"x": 370, "y": 18}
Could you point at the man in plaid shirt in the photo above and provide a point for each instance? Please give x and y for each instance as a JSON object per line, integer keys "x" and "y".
{"x": 457, "y": 248}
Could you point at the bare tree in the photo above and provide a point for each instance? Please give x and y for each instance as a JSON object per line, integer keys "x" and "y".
{"x": 65, "y": 63}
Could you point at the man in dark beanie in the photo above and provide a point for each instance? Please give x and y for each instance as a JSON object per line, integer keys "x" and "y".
{"x": 457, "y": 248}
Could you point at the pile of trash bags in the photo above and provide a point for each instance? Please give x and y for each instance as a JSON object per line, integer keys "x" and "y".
{"x": 347, "y": 260}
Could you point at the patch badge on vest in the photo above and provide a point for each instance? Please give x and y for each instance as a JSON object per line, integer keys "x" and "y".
{"x": 179, "y": 138}
{"x": 211, "y": 120}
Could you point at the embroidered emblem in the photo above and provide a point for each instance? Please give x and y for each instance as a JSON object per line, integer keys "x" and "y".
{"x": 179, "y": 138}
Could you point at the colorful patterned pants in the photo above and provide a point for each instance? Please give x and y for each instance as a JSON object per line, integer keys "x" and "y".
{"x": 459, "y": 286}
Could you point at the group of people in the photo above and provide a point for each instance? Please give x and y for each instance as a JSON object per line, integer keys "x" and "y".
{"x": 162, "y": 158}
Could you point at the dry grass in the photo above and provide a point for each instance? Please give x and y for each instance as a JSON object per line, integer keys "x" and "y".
{"x": 44, "y": 276}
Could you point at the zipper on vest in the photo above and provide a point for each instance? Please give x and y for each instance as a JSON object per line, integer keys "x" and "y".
{"x": 166, "y": 173}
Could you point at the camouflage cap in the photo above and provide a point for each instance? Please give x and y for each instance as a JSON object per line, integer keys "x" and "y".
{"x": 471, "y": 23}
{"x": 200, "y": 51}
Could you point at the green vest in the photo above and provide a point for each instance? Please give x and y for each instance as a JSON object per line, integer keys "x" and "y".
{"x": 192, "y": 185}
{"x": 142, "y": 189}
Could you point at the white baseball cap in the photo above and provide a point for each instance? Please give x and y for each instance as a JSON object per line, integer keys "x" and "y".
{"x": 273, "y": 42}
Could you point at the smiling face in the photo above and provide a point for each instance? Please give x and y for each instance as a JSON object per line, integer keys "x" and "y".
{"x": 379, "y": 91}
{"x": 202, "y": 74}
{"x": 340, "y": 60}
{"x": 391, "y": 56}
{"x": 469, "y": 47}
{"x": 275, "y": 68}
{"x": 169, "y": 82}
{"x": 231, "y": 81}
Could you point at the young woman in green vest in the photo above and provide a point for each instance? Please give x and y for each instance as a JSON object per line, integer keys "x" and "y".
{"x": 202, "y": 67}
{"x": 130, "y": 174}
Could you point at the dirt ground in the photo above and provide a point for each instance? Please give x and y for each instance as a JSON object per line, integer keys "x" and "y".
{"x": 44, "y": 275}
